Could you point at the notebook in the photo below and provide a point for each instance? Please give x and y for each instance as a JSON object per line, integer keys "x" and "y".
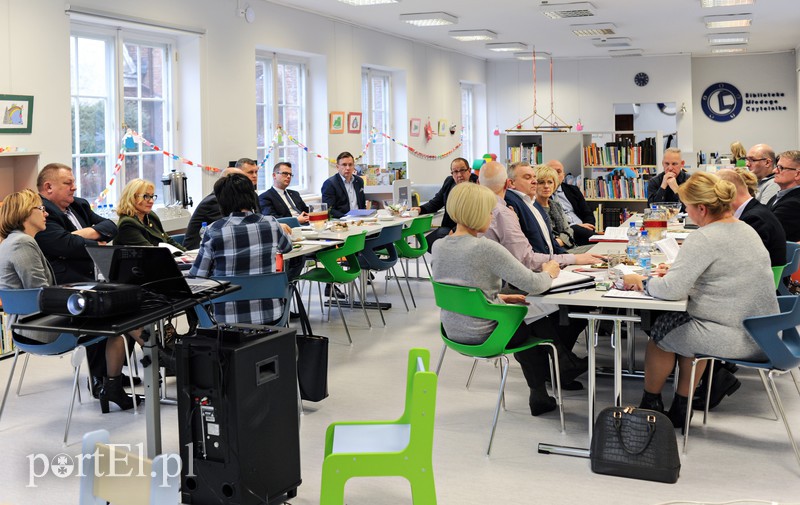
{"x": 153, "y": 268}
{"x": 361, "y": 213}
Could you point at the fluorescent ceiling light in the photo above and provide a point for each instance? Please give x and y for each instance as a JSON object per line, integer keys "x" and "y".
{"x": 612, "y": 42}
{"x": 728, "y": 38}
{"x": 506, "y": 46}
{"x": 728, "y": 21}
{"x": 528, "y": 55}
{"x": 429, "y": 19}
{"x": 593, "y": 30}
{"x": 567, "y": 10}
{"x": 359, "y": 3}
{"x": 472, "y": 35}
{"x": 616, "y": 53}
{"x": 729, "y": 49}
{"x": 725, "y": 3}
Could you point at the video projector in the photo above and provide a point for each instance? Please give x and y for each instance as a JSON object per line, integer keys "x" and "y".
{"x": 90, "y": 299}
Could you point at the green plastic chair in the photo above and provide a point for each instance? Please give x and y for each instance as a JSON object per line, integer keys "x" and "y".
{"x": 333, "y": 273}
{"x": 777, "y": 272}
{"x": 401, "y": 448}
{"x": 417, "y": 229}
{"x": 472, "y": 302}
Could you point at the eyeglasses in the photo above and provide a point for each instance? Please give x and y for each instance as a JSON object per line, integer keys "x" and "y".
{"x": 753, "y": 160}
{"x": 148, "y": 197}
{"x": 781, "y": 168}
{"x": 461, "y": 171}
{"x": 40, "y": 207}
{"x": 288, "y": 174}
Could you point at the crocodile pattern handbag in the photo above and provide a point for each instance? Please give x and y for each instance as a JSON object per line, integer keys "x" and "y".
{"x": 635, "y": 443}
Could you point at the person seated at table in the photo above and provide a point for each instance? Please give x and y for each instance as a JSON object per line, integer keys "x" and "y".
{"x": 664, "y": 186}
{"x": 138, "y": 224}
{"x": 464, "y": 259}
{"x": 24, "y": 266}
{"x": 207, "y": 211}
{"x": 547, "y": 180}
{"x": 242, "y": 243}
{"x": 579, "y": 216}
{"x": 280, "y": 201}
{"x": 532, "y": 216}
{"x": 459, "y": 172}
{"x": 724, "y": 270}
{"x": 344, "y": 191}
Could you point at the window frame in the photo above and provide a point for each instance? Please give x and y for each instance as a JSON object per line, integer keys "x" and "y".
{"x": 368, "y": 115}
{"x": 468, "y": 121}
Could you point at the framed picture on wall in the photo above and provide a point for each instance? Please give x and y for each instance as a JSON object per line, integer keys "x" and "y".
{"x": 353, "y": 122}
{"x": 442, "y": 127}
{"x": 16, "y": 113}
{"x": 415, "y": 127}
{"x": 337, "y": 122}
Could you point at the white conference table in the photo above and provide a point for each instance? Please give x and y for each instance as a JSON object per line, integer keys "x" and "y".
{"x": 327, "y": 238}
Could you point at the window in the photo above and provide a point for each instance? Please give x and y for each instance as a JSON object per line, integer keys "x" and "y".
{"x": 467, "y": 119}
{"x": 107, "y": 99}
{"x": 376, "y": 106}
{"x": 281, "y": 100}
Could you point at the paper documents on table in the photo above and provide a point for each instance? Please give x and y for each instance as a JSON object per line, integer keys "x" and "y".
{"x": 568, "y": 280}
{"x": 669, "y": 246}
{"x": 618, "y": 293}
{"x": 320, "y": 242}
{"x": 611, "y": 234}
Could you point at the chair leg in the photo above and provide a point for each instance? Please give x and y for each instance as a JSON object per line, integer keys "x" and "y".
{"x": 78, "y": 356}
{"x": 472, "y": 372}
{"x": 555, "y": 380}
{"x": 8, "y": 383}
{"x": 341, "y": 314}
{"x": 423, "y": 487}
{"x": 363, "y": 307}
{"x": 386, "y": 284}
{"x": 710, "y": 376}
{"x": 763, "y": 376}
{"x": 332, "y": 487}
{"x": 783, "y": 414}
{"x": 128, "y": 362}
{"x": 504, "y": 375}
{"x": 405, "y": 273}
{"x": 378, "y": 302}
{"x": 689, "y": 402}
{"x": 441, "y": 358}
{"x": 22, "y": 372}
{"x": 426, "y": 266}
{"x": 794, "y": 379}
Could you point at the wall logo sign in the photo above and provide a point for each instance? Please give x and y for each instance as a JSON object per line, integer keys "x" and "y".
{"x": 722, "y": 102}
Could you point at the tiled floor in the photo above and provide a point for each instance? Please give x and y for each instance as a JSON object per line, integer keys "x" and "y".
{"x": 741, "y": 454}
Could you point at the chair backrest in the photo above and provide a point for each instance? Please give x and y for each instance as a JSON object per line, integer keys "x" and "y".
{"x": 418, "y": 228}
{"x": 382, "y": 245}
{"x": 349, "y": 249}
{"x": 124, "y": 478}
{"x": 420, "y": 408}
{"x": 471, "y": 301}
{"x": 20, "y": 301}
{"x": 792, "y": 264}
{"x": 777, "y": 334}
{"x": 777, "y": 273}
{"x": 253, "y": 287}
{"x": 291, "y": 221}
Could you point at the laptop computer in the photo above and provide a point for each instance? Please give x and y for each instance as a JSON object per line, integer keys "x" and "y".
{"x": 153, "y": 268}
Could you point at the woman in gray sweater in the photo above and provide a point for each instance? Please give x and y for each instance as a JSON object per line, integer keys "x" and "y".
{"x": 464, "y": 259}
{"x": 724, "y": 270}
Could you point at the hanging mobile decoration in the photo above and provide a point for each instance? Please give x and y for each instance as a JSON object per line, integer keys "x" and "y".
{"x": 551, "y": 123}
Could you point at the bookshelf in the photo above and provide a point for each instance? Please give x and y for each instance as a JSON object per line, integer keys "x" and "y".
{"x": 563, "y": 146}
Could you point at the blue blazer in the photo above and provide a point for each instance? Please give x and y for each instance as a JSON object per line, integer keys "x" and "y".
{"x": 335, "y": 195}
{"x": 530, "y": 226}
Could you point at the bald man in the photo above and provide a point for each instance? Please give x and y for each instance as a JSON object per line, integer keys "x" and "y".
{"x": 581, "y": 217}
{"x": 761, "y": 161}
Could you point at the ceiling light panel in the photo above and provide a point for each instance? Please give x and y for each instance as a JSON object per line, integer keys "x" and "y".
{"x": 473, "y": 35}
{"x": 724, "y": 3}
{"x": 528, "y": 56}
{"x": 728, "y": 21}
{"x": 728, "y": 38}
{"x": 612, "y": 42}
{"x": 729, "y": 49}
{"x": 506, "y": 46}
{"x": 429, "y": 19}
{"x": 361, "y": 3}
{"x": 567, "y": 10}
{"x": 616, "y": 53}
{"x": 593, "y": 30}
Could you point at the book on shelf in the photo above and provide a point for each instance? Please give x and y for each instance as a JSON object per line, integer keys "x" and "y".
{"x": 532, "y": 153}
{"x": 608, "y": 217}
{"x": 622, "y": 152}
{"x": 618, "y": 184}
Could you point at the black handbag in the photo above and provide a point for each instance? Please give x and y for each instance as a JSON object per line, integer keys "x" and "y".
{"x": 635, "y": 443}
{"x": 312, "y": 358}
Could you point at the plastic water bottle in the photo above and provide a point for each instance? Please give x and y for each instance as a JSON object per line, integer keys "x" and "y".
{"x": 644, "y": 253}
{"x": 110, "y": 211}
{"x": 203, "y": 228}
{"x": 632, "y": 250}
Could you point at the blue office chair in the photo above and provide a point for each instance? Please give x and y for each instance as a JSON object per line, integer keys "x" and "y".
{"x": 778, "y": 337}
{"x": 291, "y": 221}
{"x": 254, "y": 287}
{"x": 792, "y": 264}
{"x": 24, "y": 302}
{"x": 379, "y": 254}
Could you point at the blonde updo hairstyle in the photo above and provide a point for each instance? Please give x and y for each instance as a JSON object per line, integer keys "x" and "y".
{"x": 709, "y": 190}
{"x": 740, "y": 177}
{"x": 471, "y": 205}
{"x": 15, "y": 210}
{"x": 131, "y": 194}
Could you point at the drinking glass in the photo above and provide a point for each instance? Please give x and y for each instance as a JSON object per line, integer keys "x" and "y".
{"x": 318, "y": 215}
{"x": 613, "y": 261}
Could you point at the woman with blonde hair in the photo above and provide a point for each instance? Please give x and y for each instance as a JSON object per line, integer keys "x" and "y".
{"x": 738, "y": 154}
{"x": 561, "y": 234}
{"x": 464, "y": 259}
{"x": 23, "y": 266}
{"x": 724, "y": 271}
{"x": 138, "y": 224}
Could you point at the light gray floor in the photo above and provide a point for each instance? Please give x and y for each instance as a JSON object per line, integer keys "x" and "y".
{"x": 741, "y": 454}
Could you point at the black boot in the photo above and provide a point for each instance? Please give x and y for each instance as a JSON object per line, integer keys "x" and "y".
{"x": 677, "y": 412}
{"x": 652, "y": 401}
{"x": 112, "y": 392}
{"x": 94, "y": 384}
{"x": 570, "y": 368}
{"x": 724, "y": 384}
{"x": 540, "y": 402}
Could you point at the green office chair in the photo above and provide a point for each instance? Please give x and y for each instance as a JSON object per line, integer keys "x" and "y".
{"x": 777, "y": 272}
{"x": 417, "y": 229}
{"x": 333, "y": 273}
{"x": 472, "y": 302}
{"x": 387, "y": 448}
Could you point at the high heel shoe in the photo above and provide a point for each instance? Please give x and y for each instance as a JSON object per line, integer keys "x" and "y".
{"x": 112, "y": 392}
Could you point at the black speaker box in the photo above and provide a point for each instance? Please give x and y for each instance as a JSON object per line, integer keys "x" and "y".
{"x": 238, "y": 417}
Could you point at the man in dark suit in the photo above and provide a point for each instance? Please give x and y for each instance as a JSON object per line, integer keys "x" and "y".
{"x": 786, "y": 204}
{"x": 664, "y": 186}
{"x": 581, "y": 217}
{"x": 459, "y": 172}
{"x": 70, "y": 226}
{"x": 344, "y": 191}
{"x": 533, "y": 219}
{"x": 279, "y": 200}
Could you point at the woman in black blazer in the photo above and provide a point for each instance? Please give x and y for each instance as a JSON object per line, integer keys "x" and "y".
{"x": 138, "y": 224}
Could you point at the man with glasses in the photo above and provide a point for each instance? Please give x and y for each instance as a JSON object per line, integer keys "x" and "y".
{"x": 279, "y": 200}
{"x": 459, "y": 172}
{"x": 761, "y": 161}
{"x": 664, "y": 186}
{"x": 786, "y": 203}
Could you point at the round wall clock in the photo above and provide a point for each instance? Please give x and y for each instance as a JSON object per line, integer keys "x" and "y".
{"x": 641, "y": 79}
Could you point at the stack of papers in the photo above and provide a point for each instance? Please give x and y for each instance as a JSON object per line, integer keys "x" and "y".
{"x": 611, "y": 234}
{"x": 568, "y": 280}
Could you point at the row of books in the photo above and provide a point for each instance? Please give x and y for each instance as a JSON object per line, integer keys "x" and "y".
{"x": 6, "y": 344}
{"x": 375, "y": 175}
{"x": 616, "y": 186}
{"x": 608, "y": 217}
{"x": 622, "y": 152}
{"x": 530, "y": 153}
